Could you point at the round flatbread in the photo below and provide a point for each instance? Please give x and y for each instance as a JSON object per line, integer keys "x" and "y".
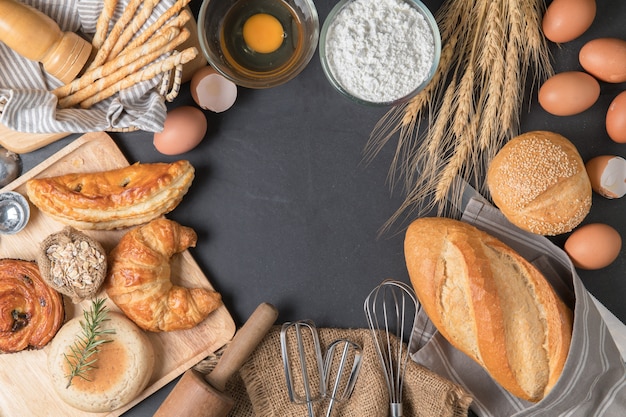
{"x": 123, "y": 369}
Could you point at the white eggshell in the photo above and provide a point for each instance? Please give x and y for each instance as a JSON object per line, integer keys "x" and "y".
{"x": 212, "y": 91}
{"x": 607, "y": 174}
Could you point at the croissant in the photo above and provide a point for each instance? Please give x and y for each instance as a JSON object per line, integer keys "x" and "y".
{"x": 31, "y": 312}
{"x": 112, "y": 199}
{"x": 139, "y": 279}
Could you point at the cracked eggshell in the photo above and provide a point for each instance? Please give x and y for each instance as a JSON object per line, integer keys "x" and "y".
{"x": 212, "y": 91}
{"x": 607, "y": 174}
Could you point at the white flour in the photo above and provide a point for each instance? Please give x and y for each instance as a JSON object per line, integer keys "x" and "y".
{"x": 379, "y": 50}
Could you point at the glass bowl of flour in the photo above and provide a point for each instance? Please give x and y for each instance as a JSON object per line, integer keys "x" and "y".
{"x": 379, "y": 52}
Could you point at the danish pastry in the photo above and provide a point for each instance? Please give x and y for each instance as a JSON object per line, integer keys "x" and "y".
{"x": 139, "y": 279}
{"x": 31, "y": 312}
{"x": 112, "y": 199}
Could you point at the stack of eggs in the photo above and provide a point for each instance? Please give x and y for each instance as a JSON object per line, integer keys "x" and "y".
{"x": 603, "y": 60}
{"x": 594, "y": 245}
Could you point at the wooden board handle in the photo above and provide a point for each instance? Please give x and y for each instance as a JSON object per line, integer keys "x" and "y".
{"x": 243, "y": 344}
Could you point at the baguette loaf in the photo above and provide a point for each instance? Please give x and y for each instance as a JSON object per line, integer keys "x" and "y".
{"x": 490, "y": 303}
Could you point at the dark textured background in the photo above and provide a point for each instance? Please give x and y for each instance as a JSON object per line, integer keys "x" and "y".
{"x": 288, "y": 212}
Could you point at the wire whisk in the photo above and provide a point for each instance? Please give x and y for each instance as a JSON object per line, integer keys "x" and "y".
{"x": 391, "y": 310}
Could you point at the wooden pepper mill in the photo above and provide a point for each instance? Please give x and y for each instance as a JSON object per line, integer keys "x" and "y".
{"x": 37, "y": 37}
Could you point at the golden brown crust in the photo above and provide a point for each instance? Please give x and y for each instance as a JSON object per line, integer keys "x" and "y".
{"x": 122, "y": 370}
{"x": 112, "y": 199}
{"x": 539, "y": 182}
{"x": 490, "y": 303}
{"x": 139, "y": 279}
{"x": 31, "y": 312}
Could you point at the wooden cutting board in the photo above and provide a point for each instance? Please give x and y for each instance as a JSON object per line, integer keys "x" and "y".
{"x": 25, "y": 386}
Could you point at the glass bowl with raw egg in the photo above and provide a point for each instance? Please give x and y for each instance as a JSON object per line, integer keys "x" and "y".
{"x": 381, "y": 52}
{"x": 258, "y": 43}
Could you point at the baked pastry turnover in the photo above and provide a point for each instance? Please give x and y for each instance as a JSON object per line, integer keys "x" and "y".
{"x": 31, "y": 312}
{"x": 139, "y": 279}
{"x": 112, "y": 199}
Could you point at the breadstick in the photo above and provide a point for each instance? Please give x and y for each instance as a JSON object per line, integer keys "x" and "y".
{"x": 160, "y": 22}
{"x": 135, "y": 66}
{"x": 133, "y": 27}
{"x": 167, "y": 38}
{"x": 146, "y": 74}
{"x": 102, "y": 24}
{"x": 118, "y": 28}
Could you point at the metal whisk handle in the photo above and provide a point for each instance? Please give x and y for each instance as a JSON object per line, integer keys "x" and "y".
{"x": 396, "y": 409}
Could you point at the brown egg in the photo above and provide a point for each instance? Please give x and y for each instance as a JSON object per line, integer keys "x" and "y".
{"x": 183, "y": 130}
{"x": 616, "y": 118}
{"x": 212, "y": 91}
{"x": 565, "y": 20}
{"x": 605, "y": 59}
{"x": 569, "y": 93}
{"x": 607, "y": 174}
{"x": 593, "y": 246}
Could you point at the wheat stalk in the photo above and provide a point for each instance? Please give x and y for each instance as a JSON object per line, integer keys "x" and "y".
{"x": 472, "y": 105}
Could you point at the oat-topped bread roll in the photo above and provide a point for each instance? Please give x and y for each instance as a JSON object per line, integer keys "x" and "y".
{"x": 490, "y": 303}
{"x": 31, "y": 312}
{"x": 112, "y": 199}
{"x": 539, "y": 182}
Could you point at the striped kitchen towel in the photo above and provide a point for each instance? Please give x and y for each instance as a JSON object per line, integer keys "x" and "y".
{"x": 26, "y": 104}
{"x": 593, "y": 382}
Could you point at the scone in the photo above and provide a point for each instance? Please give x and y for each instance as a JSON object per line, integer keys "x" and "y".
{"x": 112, "y": 199}
{"x": 122, "y": 371}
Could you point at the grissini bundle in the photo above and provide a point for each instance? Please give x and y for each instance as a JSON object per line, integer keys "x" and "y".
{"x": 126, "y": 55}
{"x": 147, "y": 73}
{"x": 163, "y": 43}
{"x": 126, "y": 65}
{"x": 490, "y": 303}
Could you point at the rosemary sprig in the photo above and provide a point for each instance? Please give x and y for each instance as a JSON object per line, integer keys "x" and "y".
{"x": 83, "y": 352}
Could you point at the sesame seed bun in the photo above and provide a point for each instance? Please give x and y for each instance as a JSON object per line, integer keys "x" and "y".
{"x": 539, "y": 182}
{"x": 123, "y": 368}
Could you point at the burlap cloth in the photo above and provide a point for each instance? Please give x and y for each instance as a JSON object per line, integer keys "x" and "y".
{"x": 260, "y": 388}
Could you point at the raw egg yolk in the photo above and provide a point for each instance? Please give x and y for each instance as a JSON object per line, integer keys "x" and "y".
{"x": 263, "y": 33}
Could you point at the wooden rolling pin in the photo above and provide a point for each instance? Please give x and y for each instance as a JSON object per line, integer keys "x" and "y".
{"x": 198, "y": 395}
{"x": 37, "y": 37}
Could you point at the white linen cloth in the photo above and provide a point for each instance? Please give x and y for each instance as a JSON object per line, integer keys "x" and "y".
{"x": 27, "y": 105}
{"x": 593, "y": 382}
